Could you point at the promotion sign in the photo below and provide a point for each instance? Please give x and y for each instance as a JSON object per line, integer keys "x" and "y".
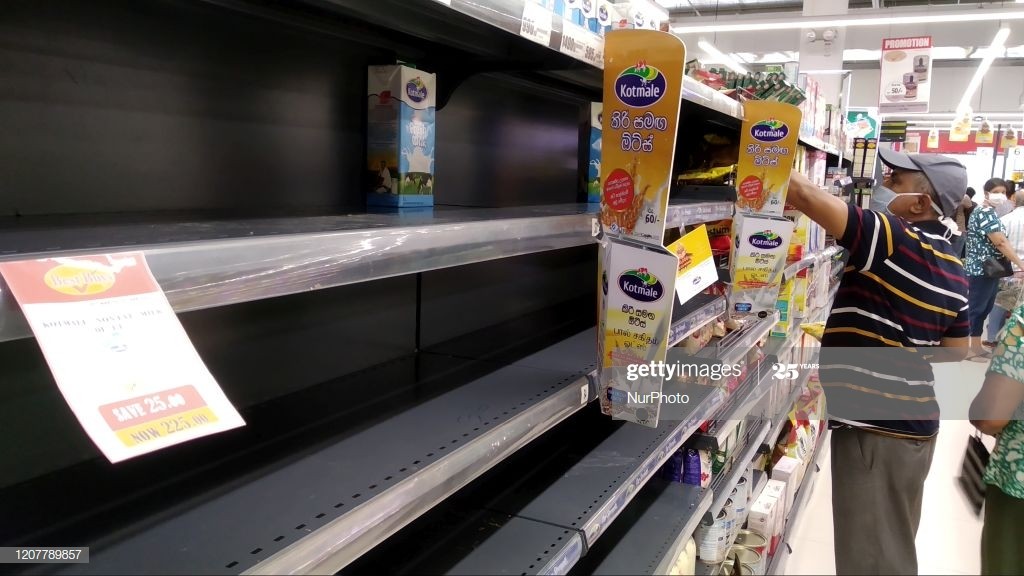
{"x": 643, "y": 84}
{"x": 906, "y": 67}
{"x": 118, "y": 353}
{"x": 768, "y": 141}
{"x": 638, "y": 314}
{"x": 697, "y": 268}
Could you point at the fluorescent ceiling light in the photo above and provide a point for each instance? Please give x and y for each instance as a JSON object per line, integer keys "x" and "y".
{"x": 850, "y": 21}
{"x": 721, "y": 58}
{"x": 995, "y": 48}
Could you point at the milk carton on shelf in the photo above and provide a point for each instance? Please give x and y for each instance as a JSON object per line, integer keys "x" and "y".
{"x": 400, "y": 136}
{"x": 594, "y": 161}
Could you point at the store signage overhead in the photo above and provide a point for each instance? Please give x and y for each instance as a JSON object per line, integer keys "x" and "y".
{"x": 906, "y": 67}
{"x": 893, "y": 131}
{"x": 118, "y": 353}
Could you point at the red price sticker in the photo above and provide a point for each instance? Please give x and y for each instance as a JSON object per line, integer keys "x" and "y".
{"x": 751, "y": 188}
{"x": 618, "y": 190}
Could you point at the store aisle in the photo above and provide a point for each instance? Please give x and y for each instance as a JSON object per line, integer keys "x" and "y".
{"x": 948, "y": 540}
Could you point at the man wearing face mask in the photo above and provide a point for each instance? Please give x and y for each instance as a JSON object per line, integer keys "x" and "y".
{"x": 903, "y": 291}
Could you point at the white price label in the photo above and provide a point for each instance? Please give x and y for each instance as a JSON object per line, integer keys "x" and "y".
{"x": 584, "y": 393}
{"x": 536, "y": 23}
{"x": 445, "y": 2}
{"x": 582, "y": 44}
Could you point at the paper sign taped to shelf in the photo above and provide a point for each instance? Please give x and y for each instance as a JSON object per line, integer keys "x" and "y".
{"x": 638, "y": 295}
{"x": 643, "y": 87}
{"x": 118, "y": 353}
{"x": 581, "y": 44}
{"x": 536, "y": 23}
{"x": 697, "y": 268}
{"x": 768, "y": 143}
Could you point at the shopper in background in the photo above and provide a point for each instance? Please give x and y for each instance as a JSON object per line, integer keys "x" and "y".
{"x": 903, "y": 289}
{"x": 998, "y": 410}
{"x": 997, "y": 196}
{"x": 1013, "y": 225}
{"x": 986, "y": 239}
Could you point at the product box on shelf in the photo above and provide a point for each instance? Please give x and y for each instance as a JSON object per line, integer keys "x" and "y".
{"x": 639, "y": 15}
{"x": 400, "y": 136}
{"x": 786, "y": 306}
{"x": 767, "y": 514}
{"x": 800, "y": 297}
{"x": 574, "y": 12}
{"x": 789, "y": 471}
{"x": 760, "y": 248}
{"x": 594, "y": 162}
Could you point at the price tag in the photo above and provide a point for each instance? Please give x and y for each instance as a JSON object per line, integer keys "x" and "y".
{"x": 118, "y": 353}
{"x": 536, "y": 23}
{"x": 582, "y": 44}
{"x": 445, "y": 2}
{"x": 584, "y": 393}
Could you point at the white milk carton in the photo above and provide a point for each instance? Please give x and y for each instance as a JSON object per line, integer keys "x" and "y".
{"x": 400, "y": 136}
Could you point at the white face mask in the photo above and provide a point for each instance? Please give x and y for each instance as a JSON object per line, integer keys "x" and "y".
{"x": 888, "y": 207}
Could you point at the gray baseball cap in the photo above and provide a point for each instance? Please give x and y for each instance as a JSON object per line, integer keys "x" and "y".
{"x": 947, "y": 176}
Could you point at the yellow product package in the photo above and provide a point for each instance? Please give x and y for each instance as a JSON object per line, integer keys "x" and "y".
{"x": 768, "y": 143}
{"x": 643, "y": 84}
{"x": 815, "y": 329}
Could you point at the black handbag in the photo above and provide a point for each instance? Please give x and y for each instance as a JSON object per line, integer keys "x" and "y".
{"x": 997, "y": 267}
{"x": 972, "y": 473}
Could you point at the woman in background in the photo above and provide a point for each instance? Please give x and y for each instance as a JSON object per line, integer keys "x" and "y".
{"x": 998, "y": 410}
{"x": 986, "y": 238}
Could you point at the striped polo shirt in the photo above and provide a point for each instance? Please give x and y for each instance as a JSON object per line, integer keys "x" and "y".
{"x": 903, "y": 290}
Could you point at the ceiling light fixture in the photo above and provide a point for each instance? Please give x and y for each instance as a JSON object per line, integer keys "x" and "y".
{"x": 948, "y": 17}
{"x": 722, "y": 58}
{"x": 994, "y": 49}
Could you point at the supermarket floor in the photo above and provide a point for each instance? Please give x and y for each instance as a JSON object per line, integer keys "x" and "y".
{"x": 948, "y": 541}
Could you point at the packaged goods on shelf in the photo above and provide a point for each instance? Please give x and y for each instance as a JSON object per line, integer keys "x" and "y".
{"x": 594, "y": 162}
{"x": 720, "y": 238}
{"x": 758, "y": 260}
{"x": 767, "y": 514}
{"x": 789, "y": 470}
{"x": 400, "y": 136}
{"x": 712, "y": 538}
{"x": 574, "y": 12}
{"x": 786, "y": 305}
{"x": 697, "y": 466}
{"x": 750, "y": 561}
{"x": 638, "y": 14}
{"x": 756, "y": 542}
{"x": 720, "y": 176}
{"x": 686, "y": 563}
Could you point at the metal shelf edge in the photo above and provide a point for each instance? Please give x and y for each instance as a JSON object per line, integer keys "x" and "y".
{"x": 210, "y": 273}
{"x": 684, "y": 535}
{"x": 751, "y": 450}
{"x": 611, "y": 508}
{"x": 687, "y": 213}
{"x": 697, "y": 319}
{"x": 339, "y": 542}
